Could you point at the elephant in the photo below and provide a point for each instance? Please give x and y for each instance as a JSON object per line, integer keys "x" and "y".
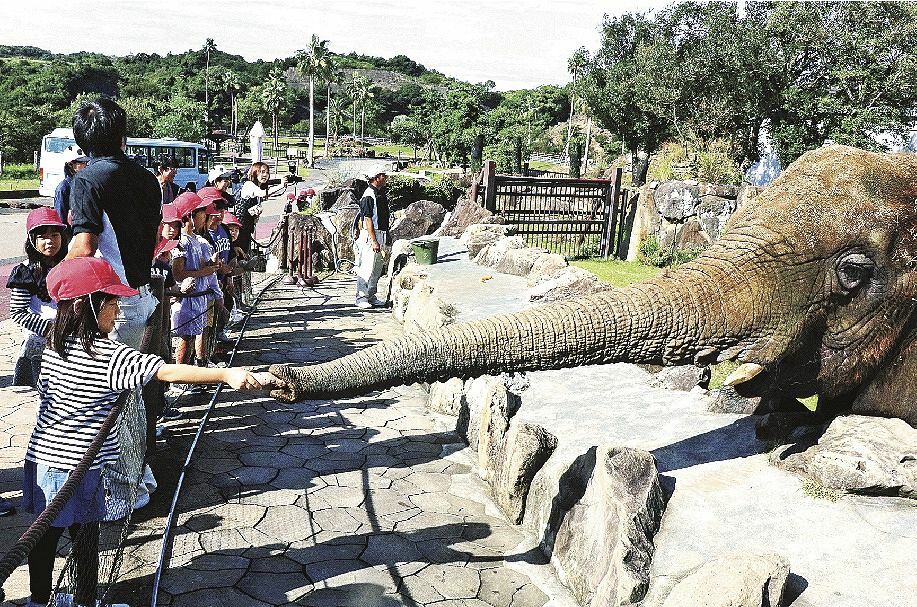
{"x": 812, "y": 287}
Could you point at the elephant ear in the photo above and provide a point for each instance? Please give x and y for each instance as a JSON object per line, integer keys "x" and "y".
{"x": 893, "y": 390}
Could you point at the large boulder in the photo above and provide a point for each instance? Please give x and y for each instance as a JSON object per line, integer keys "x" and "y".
{"x": 491, "y": 255}
{"x": 691, "y": 234}
{"x": 568, "y": 283}
{"x": 546, "y": 267}
{"x": 602, "y": 543}
{"x": 713, "y": 212}
{"x": 420, "y": 218}
{"x": 343, "y": 222}
{"x": 736, "y": 580}
{"x": 480, "y": 235}
{"x": 677, "y": 200}
{"x": 682, "y": 377}
{"x": 446, "y": 397}
{"x": 860, "y": 454}
{"x": 513, "y": 463}
{"x": 467, "y": 212}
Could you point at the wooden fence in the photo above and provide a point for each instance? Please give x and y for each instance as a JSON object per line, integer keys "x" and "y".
{"x": 571, "y": 217}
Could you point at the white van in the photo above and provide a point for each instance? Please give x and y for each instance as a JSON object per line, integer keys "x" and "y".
{"x": 190, "y": 158}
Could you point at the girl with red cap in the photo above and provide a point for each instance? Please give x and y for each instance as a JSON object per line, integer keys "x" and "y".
{"x": 84, "y": 372}
{"x": 191, "y": 265}
{"x": 30, "y": 306}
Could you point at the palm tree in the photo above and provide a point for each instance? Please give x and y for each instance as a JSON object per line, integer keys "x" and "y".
{"x": 231, "y": 85}
{"x": 209, "y": 46}
{"x": 361, "y": 94}
{"x": 335, "y": 107}
{"x": 333, "y": 76}
{"x": 314, "y": 63}
{"x": 272, "y": 95}
{"x": 353, "y": 92}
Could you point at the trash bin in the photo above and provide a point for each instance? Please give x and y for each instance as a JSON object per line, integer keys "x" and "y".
{"x": 425, "y": 251}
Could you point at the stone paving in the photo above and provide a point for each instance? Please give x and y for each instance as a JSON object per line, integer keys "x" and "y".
{"x": 359, "y": 501}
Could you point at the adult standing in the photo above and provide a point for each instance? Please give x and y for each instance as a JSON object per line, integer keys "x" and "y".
{"x": 165, "y": 175}
{"x": 251, "y": 199}
{"x": 373, "y": 223}
{"x": 115, "y": 205}
{"x": 75, "y": 163}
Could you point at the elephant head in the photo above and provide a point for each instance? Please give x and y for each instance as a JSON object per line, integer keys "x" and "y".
{"x": 812, "y": 287}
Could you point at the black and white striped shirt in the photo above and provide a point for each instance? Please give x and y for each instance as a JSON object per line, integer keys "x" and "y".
{"x": 77, "y": 393}
{"x": 30, "y": 313}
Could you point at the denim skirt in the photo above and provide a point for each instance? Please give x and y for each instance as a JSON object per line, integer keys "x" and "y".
{"x": 40, "y": 483}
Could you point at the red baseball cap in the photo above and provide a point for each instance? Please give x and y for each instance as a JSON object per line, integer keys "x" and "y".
{"x": 80, "y": 276}
{"x": 187, "y": 203}
{"x": 43, "y": 217}
{"x": 163, "y": 246}
{"x": 310, "y": 192}
{"x": 231, "y": 220}
{"x": 209, "y": 192}
{"x": 170, "y": 213}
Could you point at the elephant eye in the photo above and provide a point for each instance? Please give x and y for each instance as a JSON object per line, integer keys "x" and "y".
{"x": 853, "y": 270}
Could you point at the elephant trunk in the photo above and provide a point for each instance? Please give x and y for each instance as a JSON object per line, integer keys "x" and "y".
{"x": 684, "y": 316}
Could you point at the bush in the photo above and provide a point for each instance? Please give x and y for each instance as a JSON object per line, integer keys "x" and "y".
{"x": 19, "y": 171}
{"x": 402, "y": 191}
{"x": 653, "y": 253}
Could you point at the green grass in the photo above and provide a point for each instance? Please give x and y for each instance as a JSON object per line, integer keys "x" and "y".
{"x": 392, "y": 150}
{"x": 720, "y": 371}
{"x": 8, "y": 185}
{"x": 816, "y": 490}
{"x": 547, "y": 166}
{"x": 617, "y": 273}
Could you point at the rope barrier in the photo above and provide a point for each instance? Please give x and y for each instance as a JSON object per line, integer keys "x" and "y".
{"x": 39, "y": 527}
{"x": 165, "y": 553}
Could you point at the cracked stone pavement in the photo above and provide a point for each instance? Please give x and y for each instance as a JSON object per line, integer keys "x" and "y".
{"x": 367, "y": 501}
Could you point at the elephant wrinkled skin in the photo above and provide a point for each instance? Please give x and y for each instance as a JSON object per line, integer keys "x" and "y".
{"x": 813, "y": 285}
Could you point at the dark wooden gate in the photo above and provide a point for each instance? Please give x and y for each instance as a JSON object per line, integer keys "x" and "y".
{"x": 571, "y": 217}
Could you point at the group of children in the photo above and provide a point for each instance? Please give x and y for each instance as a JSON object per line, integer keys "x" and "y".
{"x": 67, "y": 308}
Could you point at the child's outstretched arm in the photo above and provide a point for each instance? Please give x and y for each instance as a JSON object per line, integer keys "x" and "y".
{"x": 238, "y": 377}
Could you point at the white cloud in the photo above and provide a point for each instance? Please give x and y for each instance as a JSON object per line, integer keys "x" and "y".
{"x": 514, "y": 43}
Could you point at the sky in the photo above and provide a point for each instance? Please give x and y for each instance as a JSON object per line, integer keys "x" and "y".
{"x": 517, "y": 44}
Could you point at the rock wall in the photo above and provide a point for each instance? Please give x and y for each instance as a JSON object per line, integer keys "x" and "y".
{"x": 685, "y": 213}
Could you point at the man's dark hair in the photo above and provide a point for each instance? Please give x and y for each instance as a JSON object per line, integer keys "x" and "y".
{"x": 165, "y": 162}
{"x": 100, "y": 127}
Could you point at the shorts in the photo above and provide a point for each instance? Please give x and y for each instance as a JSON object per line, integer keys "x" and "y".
{"x": 40, "y": 483}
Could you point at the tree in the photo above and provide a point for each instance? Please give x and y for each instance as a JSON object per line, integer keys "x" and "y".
{"x": 575, "y": 65}
{"x": 272, "y": 96}
{"x": 209, "y": 46}
{"x": 316, "y": 64}
{"x": 619, "y": 85}
{"x": 334, "y": 75}
{"x": 231, "y": 85}
{"x": 361, "y": 94}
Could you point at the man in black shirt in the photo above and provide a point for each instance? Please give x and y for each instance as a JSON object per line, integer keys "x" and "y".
{"x": 116, "y": 207}
{"x": 116, "y": 210}
{"x": 373, "y": 223}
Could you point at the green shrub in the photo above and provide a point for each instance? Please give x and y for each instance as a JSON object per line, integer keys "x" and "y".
{"x": 18, "y": 171}
{"x": 653, "y": 253}
{"x": 402, "y": 191}
{"x": 715, "y": 165}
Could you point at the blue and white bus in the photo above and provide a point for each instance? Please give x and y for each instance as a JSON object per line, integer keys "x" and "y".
{"x": 190, "y": 158}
